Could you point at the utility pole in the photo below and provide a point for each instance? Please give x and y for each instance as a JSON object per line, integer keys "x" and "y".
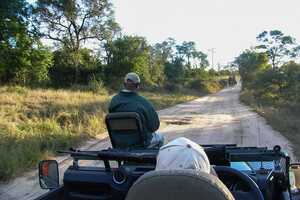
{"x": 213, "y": 51}
{"x": 219, "y": 67}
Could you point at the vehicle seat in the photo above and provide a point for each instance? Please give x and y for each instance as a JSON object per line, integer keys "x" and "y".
{"x": 125, "y": 130}
{"x": 178, "y": 185}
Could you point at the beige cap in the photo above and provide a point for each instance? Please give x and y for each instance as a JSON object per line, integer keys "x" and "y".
{"x": 132, "y": 77}
{"x": 182, "y": 153}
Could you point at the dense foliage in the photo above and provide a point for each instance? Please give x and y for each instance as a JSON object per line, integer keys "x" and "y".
{"x": 87, "y": 46}
{"x": 263, "y": 77}
{"x": 23, "y": 59}
{"x": 271, "y": 84}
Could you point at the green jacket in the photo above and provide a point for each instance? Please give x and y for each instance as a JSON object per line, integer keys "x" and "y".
{"x": 127, "y": 101}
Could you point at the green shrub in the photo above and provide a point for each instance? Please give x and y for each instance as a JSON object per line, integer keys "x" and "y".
{"x": 16, "y": 89}
{"x": 173, "y": 87}
{"x": 206, "y": 87}
{"x": 97, "y": 86}
{"x": 94, "y": 86}
{"x": 223, "y": 82}
{"x": 247, "y": 97}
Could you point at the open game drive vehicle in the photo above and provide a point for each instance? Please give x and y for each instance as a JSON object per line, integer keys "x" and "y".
{"x": 128, "y": 173}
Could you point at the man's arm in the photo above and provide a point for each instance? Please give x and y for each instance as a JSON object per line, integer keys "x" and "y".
{"x": 110, "y": 106}
{"x": 152, "y": 117}
{"x": 113, "y": 103}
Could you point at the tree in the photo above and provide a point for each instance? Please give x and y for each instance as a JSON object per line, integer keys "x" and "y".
{"x": 175, "y": 71}
{"x": 71, "y": 23}
{"x": 157, "y": 61}
{"x": 276, "y": 45}
{"x": 13, "y": 14}
{"x": 64, "y": 73}
{"x": 291, "y": 85}
{"x": 201, "y": 59}
{"x": 23, "y": 59}
{"x": 188, "y": 51}
{"x": 128, "y": 53}
{"x": 166, "y": 49}
{"x": 296, "y": 52}
{"x": 251, "y": 63}
{"x": 27, "y": 63}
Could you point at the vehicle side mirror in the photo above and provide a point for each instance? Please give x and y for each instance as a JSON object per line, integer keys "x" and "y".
{"x": 294, "y": 176}
{"x": 48, "y": 174}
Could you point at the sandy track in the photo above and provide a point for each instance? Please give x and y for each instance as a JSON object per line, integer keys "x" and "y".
{"x": 214, "y": 119}
{"x": 220, "y": 119}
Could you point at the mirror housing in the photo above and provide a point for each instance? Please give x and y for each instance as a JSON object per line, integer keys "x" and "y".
{"x": 48, "y": 174}
{"x": 294, "y": 177}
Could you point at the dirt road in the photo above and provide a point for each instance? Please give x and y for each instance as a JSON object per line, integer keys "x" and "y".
{"x": 219, "y": 118}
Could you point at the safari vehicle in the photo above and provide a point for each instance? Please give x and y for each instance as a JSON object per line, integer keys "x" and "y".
{"x": 129, "y": 173}
{"x": 232, "y": 80}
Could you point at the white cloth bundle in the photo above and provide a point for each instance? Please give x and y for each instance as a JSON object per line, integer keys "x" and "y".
{"x": 182, "y": 153}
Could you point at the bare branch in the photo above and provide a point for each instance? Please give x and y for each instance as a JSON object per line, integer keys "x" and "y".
{"x": 86, "y": 16}
{"x": 55, "y": 38}
{"x": 88, "y": 37}
{"x": 79, "y": 23}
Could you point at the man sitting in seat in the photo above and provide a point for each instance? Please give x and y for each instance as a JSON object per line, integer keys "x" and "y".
{"x": 128, "y": 100}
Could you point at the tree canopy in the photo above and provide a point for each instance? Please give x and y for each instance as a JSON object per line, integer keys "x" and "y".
{"x": 72, "y": 23}
{"x": 23, "y": 59}
{"x": 276, "y": 45}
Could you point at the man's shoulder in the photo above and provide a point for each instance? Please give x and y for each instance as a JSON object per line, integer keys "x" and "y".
{"x": 144, "y": 101}
{"x": 121, "y": 94}
{"x": 126, "y": 96}
{"x": 116, "y": 96}
{"x": 131, "y": 97}
{"x": 142, "y": 98}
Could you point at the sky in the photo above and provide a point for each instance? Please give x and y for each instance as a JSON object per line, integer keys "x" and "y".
{"x": 229, "y": 26}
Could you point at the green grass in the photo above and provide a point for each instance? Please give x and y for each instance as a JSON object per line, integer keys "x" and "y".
{"x": 284, "y": 118}
{"x": 34, "y": 123}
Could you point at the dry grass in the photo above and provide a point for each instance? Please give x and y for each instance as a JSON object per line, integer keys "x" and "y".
{"x": 34, "y": 123}
{"x": 282, "y": 118}
{"x": 286, "y": 122}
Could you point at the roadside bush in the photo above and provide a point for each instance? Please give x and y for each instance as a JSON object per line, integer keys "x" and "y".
{"x": 173, "y": 87}
{"x": 97, "y": 86}
{"x": 74, "y": 68}
{"x": 26, "y": 64}
{"x": 247, "y": 97}
{"x": 16, "y": 89}
{"x": 206, "y": 87}
{"x": 223, "y": 82}
{"x": 94, "y": 85}
{"x": 273, "y": 92}
{"x": 291, "y": 85}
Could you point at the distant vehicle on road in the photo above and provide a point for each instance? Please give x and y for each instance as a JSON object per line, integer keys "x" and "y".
{"x": 232, "y": 80}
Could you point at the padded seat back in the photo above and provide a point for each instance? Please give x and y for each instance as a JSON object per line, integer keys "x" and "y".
{"x": 125, "y": 130}
{"x": 178, "y": 185}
